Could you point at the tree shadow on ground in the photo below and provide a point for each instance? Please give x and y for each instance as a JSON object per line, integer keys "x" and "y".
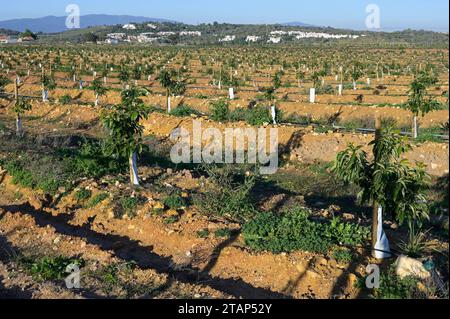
{"x": 128, "y": 249}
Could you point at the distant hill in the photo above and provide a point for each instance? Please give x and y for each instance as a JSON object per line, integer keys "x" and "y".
{"x": 52, "y": 24}
{"x": 297, "y": 24}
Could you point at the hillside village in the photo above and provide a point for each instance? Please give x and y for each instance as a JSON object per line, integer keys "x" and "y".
{"x": 274, "y": 37}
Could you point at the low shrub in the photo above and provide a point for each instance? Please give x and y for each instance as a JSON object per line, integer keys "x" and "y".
{"x": 230, "y": 194}
{"x": 220, "y": 111}
{"x": 294, "y": 230}
{"x": 183, "y": 111}
{"x": 50, "y": 268}
{"x": 174, "y": 201}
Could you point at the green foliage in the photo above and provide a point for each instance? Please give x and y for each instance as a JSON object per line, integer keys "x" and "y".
{"x": 50, "y": 268}
{"x": 83, "y": 194}
{"x": 417, "y": 243}
{"x": 293, "y": 230}
{"x": 24, "y": 177}
{"x": 48, "y": 82}
{"x": 258, "y": 115}
{"x": 223, "y": 233}
{"x": 97, "y": 199}
{"x": 220, "y": 111}
{"x": 390, "y": 180}
{"x": 65, "y": 99}
{"x": 174, "y": 201}
{"x": 346, "y": 233}
{"x": 418, "y": 101}
{"x": 92, "y": 160}
{"x": 285, "y": 233}
{"x": 28, "y": 33}
{"x": 343, "y": 256}
{"x": 98, "y": 87}
{"x": 183, "y": 111}
{"x": 4, "y": 81}
{"x": 173, "y": 86}
{"x": 394, "y": 287}
{"x": 230, "y": 194}
{"x": 21, "y": 106}
{"x": 123, "y": 124}
{"x": 204, "y": 233}
{"x": 128, "y": 205}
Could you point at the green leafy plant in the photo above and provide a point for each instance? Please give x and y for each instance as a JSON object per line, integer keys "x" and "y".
{"x": 174, "y": 201}
{"x": 51, "y": 268}
{"x": 390, "y": 180}
{"x": 230, "y": 194}
{"x": 83, "y": 194}
{"x": 419, "y": 101}
{"x": 220, "y": 111}
{"x": 223, "y": 233}
{"x": 125, "y": 130}
{"x": 65, "y": 99}
{"x": 183, "y": 111}
{"x": 97, "y": 199}
{"x": 343, "y": 256}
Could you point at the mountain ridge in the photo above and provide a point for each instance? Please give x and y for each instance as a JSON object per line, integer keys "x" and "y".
{"x": 55, "y": 24}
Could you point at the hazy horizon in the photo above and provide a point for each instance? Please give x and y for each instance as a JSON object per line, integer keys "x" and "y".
{"x": 395, "y": 15}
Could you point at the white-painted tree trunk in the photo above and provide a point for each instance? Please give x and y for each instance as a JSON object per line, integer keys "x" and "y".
{"x": 134, "y": 178}
{"x": 415, "y": 127}
{"x": 274, "y": 115}
{"x": 231, "y": 93}
{"x": 19, "y": 128}
{"x": 340, "y": 86}
{"x": 382, "y": 248}
{"x": 354, "y": 85}
{"x": 44, "y": 96}
{"x": 96, "y": 99}
{"x": 169, "y": 106}
{"x": 312, "y": 95}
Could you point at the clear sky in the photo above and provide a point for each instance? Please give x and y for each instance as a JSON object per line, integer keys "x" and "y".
{"x": 395, "y": 14}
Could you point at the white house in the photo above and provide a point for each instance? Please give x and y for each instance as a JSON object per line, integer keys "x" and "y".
{"x": 228, "y": 38}
{"x": 152, "y": 26}
{"x": 274, "y": 40}
{"x": 129, "y": 27}
{"x": 191, "y": 33}
{"x": 166, "y": 33}
{"x": 252, "y": 38}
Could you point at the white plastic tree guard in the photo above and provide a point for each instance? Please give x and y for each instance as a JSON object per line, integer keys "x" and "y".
{"x": 169, "y": 108}
{"x": 231, "y": 93}
{"x": 340, "y": 89}
{"x": 382, "y": 248}
{"x": 312, "y": 95}
{"x": 134, "y": 169}
{"x": 274, "y": 115}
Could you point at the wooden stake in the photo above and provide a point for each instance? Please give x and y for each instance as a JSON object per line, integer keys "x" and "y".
{"x": 375, "y": 204}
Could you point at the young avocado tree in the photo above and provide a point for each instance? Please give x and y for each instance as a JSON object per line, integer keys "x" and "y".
{"x": 125, "y": 130}
{"x": 48, "y": 83}
{"x": 389, "y": 182}
{"x": 20, "y": 106}
{"x": 356, "y": 73}
{"x": 99, "y": 89}
{"x": 419, "y": 102}
{"x": 167, "y": 79}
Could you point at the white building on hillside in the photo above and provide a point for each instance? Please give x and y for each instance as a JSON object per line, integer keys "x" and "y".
{"x": 228, "y": 38}
{"x": 252, "y": 38}
{"x": 191, "y": 33}
{"x": 274, "y": 40}
{"x": 129, "y": 27}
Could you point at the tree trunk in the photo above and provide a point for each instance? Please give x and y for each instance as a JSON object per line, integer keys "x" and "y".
{"x": 415, "y": 127}
{"x": 96, "y": 99}
{"x": 134, "y": 179}
{"x": 19, "y": 128}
